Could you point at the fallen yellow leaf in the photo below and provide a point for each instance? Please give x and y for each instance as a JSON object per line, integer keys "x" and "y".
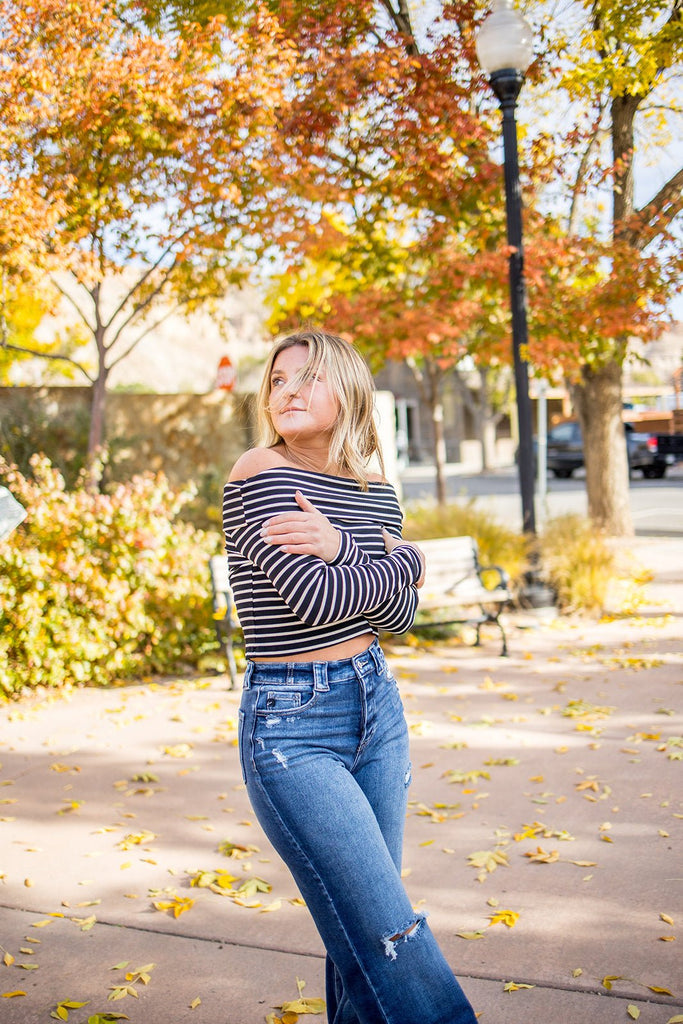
{"x": 178, "y": 905}
{"x": 507, "y": 917}
{"x": 303, "y": 1006}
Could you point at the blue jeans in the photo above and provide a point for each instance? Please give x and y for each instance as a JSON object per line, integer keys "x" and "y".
{"x": 324, "y": 753}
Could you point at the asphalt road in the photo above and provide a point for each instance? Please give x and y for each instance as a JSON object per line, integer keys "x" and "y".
{"x": 656, "y": 505}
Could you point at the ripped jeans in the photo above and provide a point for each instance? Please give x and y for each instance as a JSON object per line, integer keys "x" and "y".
{"x": 324, "y": 753}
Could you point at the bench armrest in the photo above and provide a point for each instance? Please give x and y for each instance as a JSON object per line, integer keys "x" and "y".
{"x": 503, "y": 578}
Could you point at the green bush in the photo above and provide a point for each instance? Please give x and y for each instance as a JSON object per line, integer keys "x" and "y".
{"x": 101, "y": 587}
{"x": 497, "y": 544}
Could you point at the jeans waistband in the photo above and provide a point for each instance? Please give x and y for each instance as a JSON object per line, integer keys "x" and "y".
{"x": 321, "y": 672}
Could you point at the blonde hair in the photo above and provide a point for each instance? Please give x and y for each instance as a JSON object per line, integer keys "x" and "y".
{"x": 354, "y": 436}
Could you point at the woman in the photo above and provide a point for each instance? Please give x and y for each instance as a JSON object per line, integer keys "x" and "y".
{"x": 317, "y": 568}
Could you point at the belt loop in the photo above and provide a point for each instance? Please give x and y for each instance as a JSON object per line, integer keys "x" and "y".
{"x": 377, "y": 655}
{"x": 320, "y": 681}
{"x": 248, "y": 673}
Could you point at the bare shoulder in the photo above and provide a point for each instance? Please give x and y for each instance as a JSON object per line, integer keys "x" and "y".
{"x": 254, "y": 461}
{"x": 377, "y": 478}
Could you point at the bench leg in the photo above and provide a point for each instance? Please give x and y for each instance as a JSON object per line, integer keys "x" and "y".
{"x": 504, "y": 648}
{"x": 495, "y": 620}
{"x": 232, "y": 668}
{"x": 225, "y": 642}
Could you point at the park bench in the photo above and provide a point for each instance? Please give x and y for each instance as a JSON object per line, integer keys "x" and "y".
{"x": 459, "y": 589}
{"x": 456, "y": 585}
{"x": 224, "y": 617}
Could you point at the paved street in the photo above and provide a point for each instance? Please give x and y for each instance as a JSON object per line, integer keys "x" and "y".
{"x": 657, "y": 505}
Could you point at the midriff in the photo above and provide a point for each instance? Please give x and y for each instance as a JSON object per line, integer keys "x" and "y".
{"x": 335, "y": 652}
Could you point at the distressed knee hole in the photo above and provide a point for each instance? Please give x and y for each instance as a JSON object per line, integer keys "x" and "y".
{"x": 391, "y": 941}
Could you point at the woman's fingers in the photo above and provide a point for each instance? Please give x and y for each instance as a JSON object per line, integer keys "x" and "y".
{"x": 307, "y": 532}
{"x": 303, "y": 502}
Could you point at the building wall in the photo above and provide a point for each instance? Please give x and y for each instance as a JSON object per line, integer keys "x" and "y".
{"x": 191, "y": 437}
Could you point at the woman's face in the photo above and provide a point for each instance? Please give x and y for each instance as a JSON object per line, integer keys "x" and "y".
{"x": 307, "y": 413}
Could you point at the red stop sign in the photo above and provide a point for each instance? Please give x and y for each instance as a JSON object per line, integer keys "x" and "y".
{"x": 226, "y": 376}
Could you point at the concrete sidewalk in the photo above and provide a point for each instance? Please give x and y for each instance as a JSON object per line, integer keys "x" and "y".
{"x": 559, "y": 769}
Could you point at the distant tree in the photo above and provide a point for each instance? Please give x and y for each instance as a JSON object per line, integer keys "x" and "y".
{"x": 146, "y": 162}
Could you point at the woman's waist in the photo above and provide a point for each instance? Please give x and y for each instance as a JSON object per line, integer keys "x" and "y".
{"x": 343, "y": 650}
{"x": 320, "y": 672}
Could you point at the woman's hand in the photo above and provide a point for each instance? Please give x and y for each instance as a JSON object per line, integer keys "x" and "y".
{"x": 307, "y": 532}
{"x": 390, "y": 542}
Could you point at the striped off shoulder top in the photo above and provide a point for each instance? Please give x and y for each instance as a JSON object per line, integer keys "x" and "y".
{"x": 290, "y": 604}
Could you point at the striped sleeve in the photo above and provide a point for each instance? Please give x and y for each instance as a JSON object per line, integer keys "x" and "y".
{"x": 319, "y": 593}
{"x": 397, "y": 614}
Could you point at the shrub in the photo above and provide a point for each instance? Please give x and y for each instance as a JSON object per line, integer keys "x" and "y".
{"x": 578, "y": 562}
{"x": 101, "y": 587}
{"x": 497, "y": 544}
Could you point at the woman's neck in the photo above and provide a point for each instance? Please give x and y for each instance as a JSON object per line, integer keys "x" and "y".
{"x": 314, "y": 459}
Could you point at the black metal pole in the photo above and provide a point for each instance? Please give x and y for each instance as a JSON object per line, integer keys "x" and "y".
{"x": 506, "y": 85}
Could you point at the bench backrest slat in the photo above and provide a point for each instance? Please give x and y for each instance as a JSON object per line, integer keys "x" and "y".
{"x": 220, "y": 581}
{"x": 449, "y": 559}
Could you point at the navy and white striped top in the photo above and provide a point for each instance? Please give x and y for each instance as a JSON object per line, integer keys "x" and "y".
{"x": 289, "y": 604}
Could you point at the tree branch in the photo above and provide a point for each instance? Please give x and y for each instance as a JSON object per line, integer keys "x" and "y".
{"x": 49, "y": 355}
{"x": 71, "y": 299}
{"x": 583, "y": 163}
{"x": 675, "y": 16}
{"x": 145, "y": 277}
{"x": 401, "y": 20}
{"x": 139, "y": 307}
{"x": 659, "y": 212}
{"x": 126, "y": 352}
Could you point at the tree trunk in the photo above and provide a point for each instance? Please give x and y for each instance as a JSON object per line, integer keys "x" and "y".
{"x": 623, "y": 113}
{"x": 434, "y": 377}
{"x": 93, "y": 462}
{"x": 488, "y": 443}
{"x": 486, "y": 422}
{"x": 439, "y": 448}
{"x": 598, "y": 402}
{"x": 429, "y": 380}
{"x": 96, "y": 433}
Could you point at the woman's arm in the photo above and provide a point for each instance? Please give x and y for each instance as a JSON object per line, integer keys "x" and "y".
{"x": 308, "y": 531}
{"x": 320, "y": 593}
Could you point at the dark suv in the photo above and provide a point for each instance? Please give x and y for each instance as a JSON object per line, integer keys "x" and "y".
{"x": 565, "y": 451}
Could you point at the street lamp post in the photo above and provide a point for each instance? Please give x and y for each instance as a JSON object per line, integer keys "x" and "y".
{"x": 505, "y": 51}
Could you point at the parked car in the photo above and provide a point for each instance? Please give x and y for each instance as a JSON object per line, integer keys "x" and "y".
{"x": 565, "y": 451}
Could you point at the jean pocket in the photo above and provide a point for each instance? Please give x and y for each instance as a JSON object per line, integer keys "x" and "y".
{"x": 286, "y": 700}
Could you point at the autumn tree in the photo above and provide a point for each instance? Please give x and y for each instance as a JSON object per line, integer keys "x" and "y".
{"x": 151, "y": 156}
{"x": 402, "y": 250}
{"x": 392, "y": 137}
{"x": 615, "y": 67}
{"x": 591, "y": 290}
